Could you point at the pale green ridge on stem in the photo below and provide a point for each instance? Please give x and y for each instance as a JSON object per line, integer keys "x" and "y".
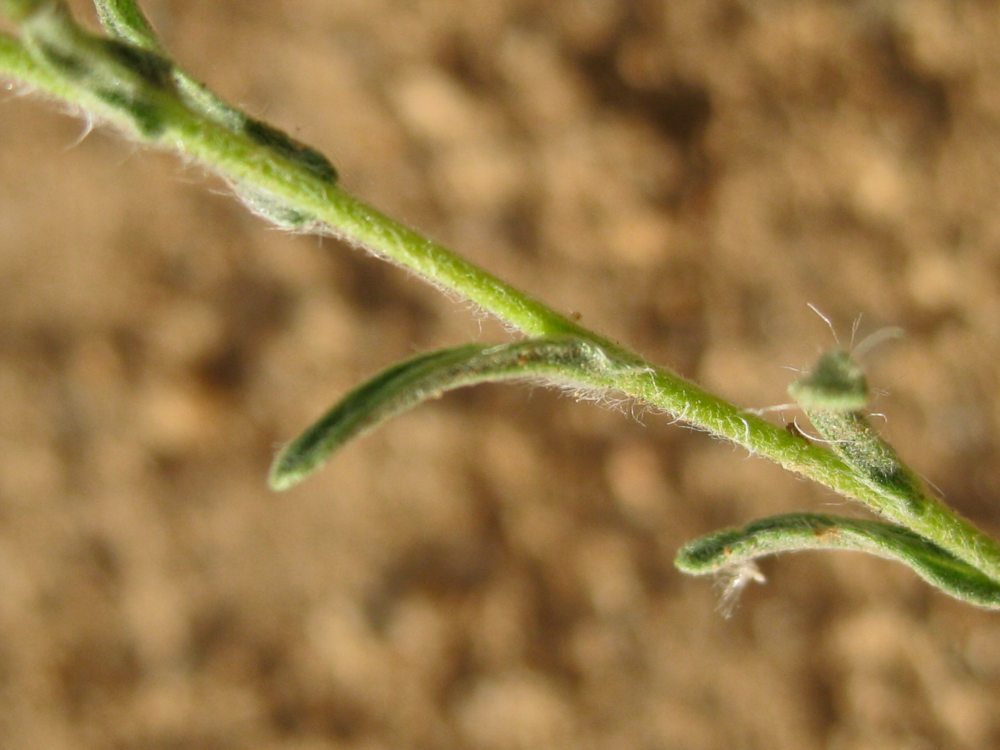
{"x": 133, "y": 86}
{"x": 563, "y": 362}
{"x": 125, "y": 20}
{"x": 792, "y": 532}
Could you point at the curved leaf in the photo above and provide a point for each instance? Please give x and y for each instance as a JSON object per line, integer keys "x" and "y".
{"x": 558, "y": 361}
{"x": 731, "y": 548}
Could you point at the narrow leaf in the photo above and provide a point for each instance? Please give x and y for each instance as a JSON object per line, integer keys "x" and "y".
{"x": 733, "y": 548}
{"x": 562, "y": 361}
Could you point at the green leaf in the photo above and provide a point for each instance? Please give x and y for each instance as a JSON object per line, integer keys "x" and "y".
{"x": 557, "y": 361}
{"x": 733, "y": 548}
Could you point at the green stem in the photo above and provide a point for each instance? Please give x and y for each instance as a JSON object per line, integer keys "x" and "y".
{"x": 92, "y": 74}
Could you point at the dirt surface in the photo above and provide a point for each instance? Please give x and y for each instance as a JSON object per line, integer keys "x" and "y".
{"x": 494, "y": 569}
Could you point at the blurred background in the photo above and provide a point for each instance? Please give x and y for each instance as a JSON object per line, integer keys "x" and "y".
{"x": 493, "y": 570}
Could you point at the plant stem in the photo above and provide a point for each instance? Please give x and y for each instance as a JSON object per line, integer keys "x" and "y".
{"x": 166, "y": 120}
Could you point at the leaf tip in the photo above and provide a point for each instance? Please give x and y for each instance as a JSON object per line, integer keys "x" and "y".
{"x": 286, "y": 471}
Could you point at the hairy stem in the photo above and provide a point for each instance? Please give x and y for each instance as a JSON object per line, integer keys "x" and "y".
{"x": 129, "y": 83}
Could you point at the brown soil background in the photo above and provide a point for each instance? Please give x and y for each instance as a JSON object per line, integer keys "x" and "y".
{"x": 494, "y": 569}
